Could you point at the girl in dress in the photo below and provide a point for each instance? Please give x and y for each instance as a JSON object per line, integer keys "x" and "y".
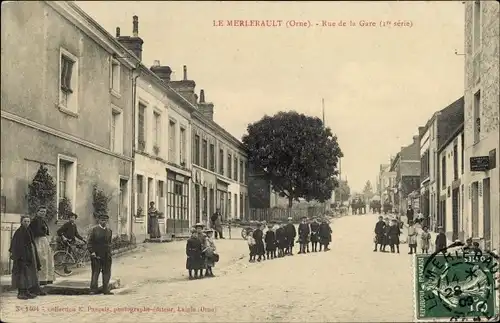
{"x": 412, "y": 238}
{"x": 425, "y": 239}
{"x": 210, "y": 251}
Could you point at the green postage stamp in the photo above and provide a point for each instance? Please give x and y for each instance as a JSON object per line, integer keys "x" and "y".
{"x": 456, "y": 285}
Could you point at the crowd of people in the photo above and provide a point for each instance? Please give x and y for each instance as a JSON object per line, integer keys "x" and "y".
{"x": 277, "y": 241}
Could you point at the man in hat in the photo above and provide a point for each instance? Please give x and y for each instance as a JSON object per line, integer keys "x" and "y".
{"x": 68, "y": 232}
{"x": 290, "y": 233}
{"x": 99, "y": 246}
{"x": 304, "y": 232}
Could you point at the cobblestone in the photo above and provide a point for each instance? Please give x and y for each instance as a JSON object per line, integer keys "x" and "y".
{"x": 350, "y": 283}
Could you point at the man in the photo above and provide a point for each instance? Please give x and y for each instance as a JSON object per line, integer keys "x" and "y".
{"x": 315, "y": 235}
{"x": 217, "y": 224}
{"x": 68, "y": 232}
{"x": 410, "y": 214}
{"x": 99, "y": 246}
{"x": 290, "y": 234}
{"x": 379, "y": 233}
{"x": 304, "y": 232}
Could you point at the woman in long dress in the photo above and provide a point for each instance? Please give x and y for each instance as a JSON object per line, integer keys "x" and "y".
{"x": 25, "y": 262}
{"x": 153, "y": 225}
{"x": 40, "y": 231}
{"x": 412, "y": 238}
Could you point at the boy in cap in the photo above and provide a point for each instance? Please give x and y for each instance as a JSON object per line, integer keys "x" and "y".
{"x": 203, "y": 240}
{"x": 290, "y": 234}
{"x": 68, "y": 232}
{"x": 194, "y": 250}
{"x": 315, "y": 234}
{"x": 394, "y": 233}
{"x": 304, "y": 232}
{"x": 99, "y": 246}
{"x": 325, "y": 235}
{"x": 379, "y": 233}
{"x": 270, "y": 239}
{"x": 258, "y": 235}
{"x": 281, "y": 240}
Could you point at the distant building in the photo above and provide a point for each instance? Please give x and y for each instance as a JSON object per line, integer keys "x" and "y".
{"x": 481, "y": 124}
{"x": 386, "y": 183}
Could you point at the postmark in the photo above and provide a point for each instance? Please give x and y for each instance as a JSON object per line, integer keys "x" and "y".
{"x": 456, "y": 284}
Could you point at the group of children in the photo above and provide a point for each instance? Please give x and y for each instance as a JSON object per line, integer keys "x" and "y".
{"x": 279, "y": 240}
{"x": 387, "y": 233}
{"x": 201, "y": 252}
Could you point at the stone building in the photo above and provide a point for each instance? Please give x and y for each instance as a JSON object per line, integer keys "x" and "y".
{"x": 481, "y": 124}
{"x": 219, "y": 167}
{"x": 67, "y": 104}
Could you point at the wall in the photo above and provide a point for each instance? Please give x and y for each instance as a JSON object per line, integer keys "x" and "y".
{"x": 483, "y": 63}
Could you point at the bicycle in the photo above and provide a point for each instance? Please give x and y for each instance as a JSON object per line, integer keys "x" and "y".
{"x": 65, "y": 262}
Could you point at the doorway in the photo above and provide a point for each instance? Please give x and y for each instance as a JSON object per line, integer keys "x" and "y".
{"x": 123, "y": 217}
{"x": 475, "y": 209}
{"x": 454, "y": 208}
{"x": 486, "y": 214}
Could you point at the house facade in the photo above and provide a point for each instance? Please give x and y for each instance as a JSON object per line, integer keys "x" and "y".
{"x": 451, "y": 188}
{"x": 481, "y": 124}
{"x": 68, "y": 109}
{"x": 220, "y": 168}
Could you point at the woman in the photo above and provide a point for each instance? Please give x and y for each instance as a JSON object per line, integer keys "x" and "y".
{"x": 40, "y": 231}
{"x": 412, "y": 238}
{"x": 425, "y": 239}
{"x": 210, "y": 252}
{"x": 194, "y": 260}
{"x": 325, "y": 235}
{"x": 25, "y": 262}
{"x": 153, "y": 225}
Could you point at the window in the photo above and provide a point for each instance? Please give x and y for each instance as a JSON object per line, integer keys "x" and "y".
{"x": 66, "y": 180}
{"x": 160, "y": 193}
{"x": 245, "y": 175}
{"x": 196, "y": 150}
{"x": 157, "y": 132}
{"x": 229, "y": 206}
{"x": 177, "y": 206}
{"x": 443, "y": 171}
{"x": 477, "y": 116}
{"x": 141, "y": 129}
{"x": 235, "y": 169}
{"x": 182, "y": 146}
{"x": 140, "y": 196}
{"x": 68, "y": 82}
{"x": 241, "y": 206}
{"x": 221, "y": 161}
{"x": 462, "y": 151}
{"x": 116, "y": 142}
{"x": 171, "y": 141}
{"x": 229, "y": 164}
{"x": 476, "y": 26}
{"x": 197, "y": 203}
{"x": 115, "y": 77}
{"x": 204, "y": 153}
{"x": 241, "y": 171}
{"x": 212, "y": 157}
{"x": 235, "y": 205}
{"x": 455, "y": 162}
{"x": 205, "y": 203}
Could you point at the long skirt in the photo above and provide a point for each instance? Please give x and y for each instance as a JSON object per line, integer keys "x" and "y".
{"x": 325, "y": 240}
{"x": 46, "y": 256}
{"x": 24, "y": 276}
{"x": 209, "y": 259}
{"x": 195, "y": 263}
{"x": 259, "y": 248}
{"x": 314, "y": 237}
{"x": 154, "y": 227}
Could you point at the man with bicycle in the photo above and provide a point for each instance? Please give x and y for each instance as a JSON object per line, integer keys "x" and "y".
{"x": 68, "y": 232}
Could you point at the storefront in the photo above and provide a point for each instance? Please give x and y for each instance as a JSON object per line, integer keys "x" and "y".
{"x": 223, "y": 198}
{"x": 177, "y": 203}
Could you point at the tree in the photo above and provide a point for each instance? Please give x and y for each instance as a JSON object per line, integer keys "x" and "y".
{"x": 296, "y": 153}
{"x": 342, "y": 192}
{"x": 368, "y": 191}
{"x": 100, "y": 202}
{"x": 42, "y": 192}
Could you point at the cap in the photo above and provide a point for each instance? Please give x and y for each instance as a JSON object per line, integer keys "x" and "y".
{"x": 208, "y": 230}
{"x": 197, "y": 225}
{"x": 103, "y": 217}
{"x": 72, "y": 214}
{"x": 290, "y": 218}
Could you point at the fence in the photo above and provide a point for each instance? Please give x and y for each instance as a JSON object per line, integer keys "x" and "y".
{"x": 282, "y": 214}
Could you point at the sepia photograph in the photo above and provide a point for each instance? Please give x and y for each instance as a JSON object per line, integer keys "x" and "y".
{"x": 250, "y": 161}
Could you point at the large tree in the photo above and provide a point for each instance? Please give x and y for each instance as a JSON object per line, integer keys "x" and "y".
{"x": 342, "y": 192}
{"x": 296, "y": 153}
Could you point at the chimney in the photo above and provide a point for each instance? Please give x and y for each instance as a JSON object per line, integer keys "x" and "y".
{"x": 185, "y": 87}
{"x": 163, "y": 72}
{"x": 206, "y": 108}
{"x": 134, "y": 43}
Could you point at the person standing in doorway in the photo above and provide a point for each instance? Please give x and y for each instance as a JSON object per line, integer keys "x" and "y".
{"x": 153, "y": 225}
{"x": 216, "y": 223}
{"x": 99, "y": 246}
{"x": 40, "y": 231}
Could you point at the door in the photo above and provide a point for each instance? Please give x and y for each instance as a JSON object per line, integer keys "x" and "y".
{"x": 487, "y": 215}
{"x": 475, "y": 209}
{"x": 122, "y": 207}
{"x": 454, "y": 214}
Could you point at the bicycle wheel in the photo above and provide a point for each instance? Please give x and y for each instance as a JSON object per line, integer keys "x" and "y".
{"x": 64, "y": 263}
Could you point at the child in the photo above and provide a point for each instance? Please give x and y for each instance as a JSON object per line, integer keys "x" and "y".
{"x": 270, "y": 239}
{"x": 210, "y": 253}
{"x": 260, "y": 251}
{"x": 425, "y": 239}
{"x": 251, "y": 247}
{"x": 412, "y": 238}
{"x": 394, "y": 233}
{"x": 315, "y": 235}
{"x": 440, "y": 239}
{"x": 194, "y": 260}
{"x": 386, "y": 234}
{"x": 281, "y": 240}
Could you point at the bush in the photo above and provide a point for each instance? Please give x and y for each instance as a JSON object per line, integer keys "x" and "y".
{"x": 100, "y": 202}
{"x": 42, "y": 191}
{"x": 64, "y": 208}
{"x": 120, "y": 241}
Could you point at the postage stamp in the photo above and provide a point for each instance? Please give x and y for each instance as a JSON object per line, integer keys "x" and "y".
{"x": 456, "y": 284}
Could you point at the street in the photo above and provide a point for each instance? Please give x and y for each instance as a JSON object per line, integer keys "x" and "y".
{"x": 350, "y": 283}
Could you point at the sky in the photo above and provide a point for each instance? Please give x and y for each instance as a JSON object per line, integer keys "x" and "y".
{"x": 379, "y": 83}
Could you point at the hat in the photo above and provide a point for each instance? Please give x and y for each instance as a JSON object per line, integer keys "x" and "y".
{"x": 304, "y": 217}
{"x": 208, "y": 230}
{"x": 102, "y": 217}
{"x": 440, "y": 227}
{"x": 290, "y": 218}
{"x": 197, "y": 225}
{"x": 72, "y": 214}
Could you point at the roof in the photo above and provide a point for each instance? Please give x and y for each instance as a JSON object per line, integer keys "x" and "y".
{"x": 409, "y": 168}
{"x": 450, "y": 139}
{"x": 452, "y": 105}
{"x": 394, "y": 162}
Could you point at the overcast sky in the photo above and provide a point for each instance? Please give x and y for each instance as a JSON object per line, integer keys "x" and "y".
{"x": 379, "y": 84}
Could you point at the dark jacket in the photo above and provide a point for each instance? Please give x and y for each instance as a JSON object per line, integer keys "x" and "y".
{"x": 25, "y": 259}
{"x": 394, "y": 233}
{"x": 99, "y": 241}
{"x": 440, "y": 241}
{"x": 70, "y": 231}
{"x": 410, "y": 213}
{"x": 380, "y": 228}
{"x": 194, "y": 254}
{"x": 280, "y": 236}
{"x": 304, "y": 230}
{"x": 290, "y": 231}
{"x": 39, "y": 227}
{"x": 270, "y": 238}
{"x": 325, "y": 232}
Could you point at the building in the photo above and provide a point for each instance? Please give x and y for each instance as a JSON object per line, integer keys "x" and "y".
{"x": 450, "y": 187}
{"x": 219, "y": 168}
{"x": 68, "y": 109}
{"x": 437, "y": 129}
{"x": 481, "y": 124}
{"x": 386, "y": 183}
{"x": 406, "y": 165}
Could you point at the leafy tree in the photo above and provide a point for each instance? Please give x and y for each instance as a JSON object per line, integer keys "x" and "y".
{"x": 296, "y": 153}
{"x": 368, "y": 191}
{"x": 100, "y": 202}
{"x": 343, "y": 191}
{"x": 42, "y": 192}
